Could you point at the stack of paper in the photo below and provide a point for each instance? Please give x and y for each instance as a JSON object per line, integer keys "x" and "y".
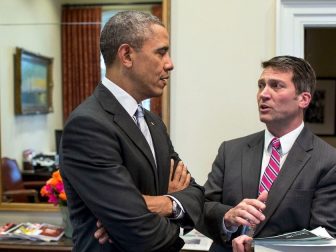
{"x": 304, "y": 240}
{"x": 31, "y": 231}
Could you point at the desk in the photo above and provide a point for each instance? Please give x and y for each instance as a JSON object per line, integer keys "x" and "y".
{"x": 33, "y": 175}
{"x": 64, "y": 244}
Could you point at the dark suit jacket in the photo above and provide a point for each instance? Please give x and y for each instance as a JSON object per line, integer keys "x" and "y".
{"x": 107, "y": 165}
{"x": 303, "y": 195}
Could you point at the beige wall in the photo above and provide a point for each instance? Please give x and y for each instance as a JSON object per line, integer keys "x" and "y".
{"x": 217, "y": 49}
{"x": 34, "y": 26}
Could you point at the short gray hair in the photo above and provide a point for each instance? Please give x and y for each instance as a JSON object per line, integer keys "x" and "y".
{"x": 126, "y": 27}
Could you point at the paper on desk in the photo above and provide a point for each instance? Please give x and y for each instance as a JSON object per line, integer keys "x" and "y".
{"x": 322, "y": 232}
{"x": 299, "y": 241}
{"x": 194, "y": 240}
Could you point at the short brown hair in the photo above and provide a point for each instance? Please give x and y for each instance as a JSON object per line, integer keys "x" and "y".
{"x": 304, "y": 77}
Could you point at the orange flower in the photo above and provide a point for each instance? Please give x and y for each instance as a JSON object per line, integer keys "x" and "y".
{"x": 54, "y": 190}
{"x": 63, "y": 196}
{"x": 44, "y": 191}
{"x": 57, "y": 176}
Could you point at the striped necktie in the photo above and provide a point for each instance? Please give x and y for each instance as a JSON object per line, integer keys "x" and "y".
{"x": 273, "y": 168}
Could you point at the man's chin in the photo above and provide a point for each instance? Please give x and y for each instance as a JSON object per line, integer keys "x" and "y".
{"x": 265, "y": 119}
{"x": 157, "y": 93}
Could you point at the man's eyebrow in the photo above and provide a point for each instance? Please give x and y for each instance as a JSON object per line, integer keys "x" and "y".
{"x": 165, "y": 48}
{"x": 275, "y": 81}
{"x": 269, "y": 80}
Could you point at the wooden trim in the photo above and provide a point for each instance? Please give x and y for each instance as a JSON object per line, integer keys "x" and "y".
{"x": 165, "y": 100}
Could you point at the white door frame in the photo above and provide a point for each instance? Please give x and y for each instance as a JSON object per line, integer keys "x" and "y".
{"x": 294, "y": 15}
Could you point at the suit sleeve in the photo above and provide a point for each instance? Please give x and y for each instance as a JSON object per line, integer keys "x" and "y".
{"x": 95, "y": 168}
{"x": 324, "y": 200}
{"x": 212, "y": 222}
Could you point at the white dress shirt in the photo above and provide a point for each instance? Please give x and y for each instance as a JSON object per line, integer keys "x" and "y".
{"x": 286, "y": 142}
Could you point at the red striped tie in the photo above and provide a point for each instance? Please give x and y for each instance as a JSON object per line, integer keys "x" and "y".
{"x": 273, "y": 168}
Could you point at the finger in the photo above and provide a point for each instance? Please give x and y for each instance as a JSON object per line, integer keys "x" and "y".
{"x": 263, "y": 196}
{"x": 238, "y": 244}
{"x": 253, "y": 217}
{"x": 104, "y": 238}
{"x": 171, "y": 169}
{"x": 245, "y": 215}
{"x": 187, "y": 181}
{"x": 248, "y": 246}
{"x": 255, "y": 203}
{"x": 241, "y": 221}
{"x": 178, "y": 171}
{"x": 99, "y": 224}
{"x": 99, "y": 233}
{"x": 247, "y": 243}
{"x": 184, "y": 174}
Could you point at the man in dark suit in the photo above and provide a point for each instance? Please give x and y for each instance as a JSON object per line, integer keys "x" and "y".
{"x": 116, "y": 156}
{"x": 303, "y": 193}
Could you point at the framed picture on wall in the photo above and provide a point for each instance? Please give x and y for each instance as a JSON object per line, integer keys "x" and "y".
{"x": 320, "y": 115}
{"x": 33, "y": 83}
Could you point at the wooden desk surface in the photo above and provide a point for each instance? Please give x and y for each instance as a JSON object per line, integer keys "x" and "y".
{"x": 64, "y": 244}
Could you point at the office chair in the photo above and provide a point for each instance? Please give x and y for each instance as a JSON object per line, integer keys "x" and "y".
{"x": 13, "y": 187}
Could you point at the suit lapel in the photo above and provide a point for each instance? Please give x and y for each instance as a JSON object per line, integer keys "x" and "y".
{"x": 251, "y": 163}
{"x": 126, "y": 124}
{"x": 295, "y": 161}
{"x": 160, "y": 148}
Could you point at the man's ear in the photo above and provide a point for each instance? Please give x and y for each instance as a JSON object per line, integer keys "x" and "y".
{"x": 304, "y": 99}
{"x": 125, "y": 55}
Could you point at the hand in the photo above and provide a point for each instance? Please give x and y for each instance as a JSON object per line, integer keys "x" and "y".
{"x": 248, "y": 212}
{"x": 101, "y": 234}
{"x": 162, "y": 205}
{"x": 242, "y": 244}
{"x": 181, "y": 177}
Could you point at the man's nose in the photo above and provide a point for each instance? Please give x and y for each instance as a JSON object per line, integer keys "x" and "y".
{"x": 168, "y": 66}
{"x": 264, "y": 92}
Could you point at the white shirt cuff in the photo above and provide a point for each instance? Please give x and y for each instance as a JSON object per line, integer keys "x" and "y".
{"x": 180, "y": 210}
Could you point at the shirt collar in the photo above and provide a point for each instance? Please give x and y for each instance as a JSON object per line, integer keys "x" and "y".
{"x": 286, "y": 141}
{"x": 124, "y": 98}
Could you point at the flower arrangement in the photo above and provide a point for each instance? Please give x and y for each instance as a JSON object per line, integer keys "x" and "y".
{"x": 54, "y": 190}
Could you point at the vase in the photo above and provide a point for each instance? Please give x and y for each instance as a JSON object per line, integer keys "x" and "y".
{"x": 66, "y": 221}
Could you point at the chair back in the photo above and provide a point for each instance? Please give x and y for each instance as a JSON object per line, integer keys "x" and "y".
{"x": 12, "y": 178}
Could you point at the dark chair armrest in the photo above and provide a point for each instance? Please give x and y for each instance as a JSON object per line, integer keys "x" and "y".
{"x": 27, "y": 192}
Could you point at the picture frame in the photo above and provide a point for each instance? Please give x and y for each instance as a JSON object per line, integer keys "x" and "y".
{"x": 320, "y": 115}
{"x": 33, "y": 83}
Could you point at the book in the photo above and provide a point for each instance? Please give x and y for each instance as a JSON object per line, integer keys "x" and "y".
{"x": 303, "y": 240}
{"x": 5, "y": 230}
{"x": 34, "y": 232}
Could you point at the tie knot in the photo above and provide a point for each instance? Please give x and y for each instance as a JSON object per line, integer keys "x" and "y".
{"x": 276, "y": 143}
{"x": 139, "y": 113}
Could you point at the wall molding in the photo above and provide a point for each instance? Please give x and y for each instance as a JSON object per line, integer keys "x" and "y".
{"x": 294, "y": 15}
